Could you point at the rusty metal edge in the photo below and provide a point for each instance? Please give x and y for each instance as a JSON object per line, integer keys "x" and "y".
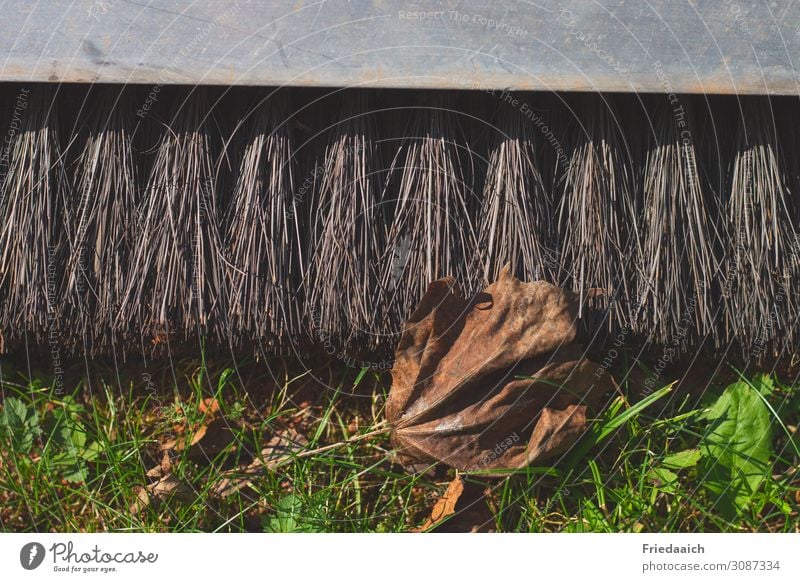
{"x": 664, "y": 46}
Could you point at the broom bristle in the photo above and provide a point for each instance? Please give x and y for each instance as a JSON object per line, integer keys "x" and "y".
{"x": 516, "y": 216}
{"x": 347, "y": 231}
{"x": 262, "y": 237}
{"x": 680, "y": 240}
{"x": 433, "y": 232}
{"x": 104, "y": 217}
{"x": 678, "y": 266}
{"x": 762, "y": 259}
{"x": 597, "y": 217}
{"x": 174, "y": 283}
{"x": 33, "y": 218}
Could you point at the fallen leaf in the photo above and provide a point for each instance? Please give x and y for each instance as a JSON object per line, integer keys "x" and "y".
{"x": 156, "y": 472}
{"x": 209, "y": 406}
{"x": 495, "y": 382}
{"x": 142, "y": 500}
{"x": 168, "y": 444}
{"x": 166, "y": 462}
{"x": 169, "y": 487}
{"x": 211, "y": 440}
{"x": 278, "y": 449}
{"x": 445, "y": 506}
{"x": 208, "y": 439}
{"x": 196, "y": 437}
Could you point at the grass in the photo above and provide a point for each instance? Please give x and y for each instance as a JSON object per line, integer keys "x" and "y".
{"x": 150, "y": 452}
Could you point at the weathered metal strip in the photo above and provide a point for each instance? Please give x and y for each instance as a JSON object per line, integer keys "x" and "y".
{"x": 712, "y": 46}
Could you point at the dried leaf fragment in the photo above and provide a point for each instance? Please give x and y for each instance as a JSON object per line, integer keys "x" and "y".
{"x": 445, "y": 506}
{"x": 167, "y": 487}
{"x": 171, "y": 486}
{"x": 278, "y": 449}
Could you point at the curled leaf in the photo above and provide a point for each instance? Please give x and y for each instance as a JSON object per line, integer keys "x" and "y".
{"x": 496, "y": 382}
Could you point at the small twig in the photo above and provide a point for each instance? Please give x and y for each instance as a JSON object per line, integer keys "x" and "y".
{"x": 383, "y": 428}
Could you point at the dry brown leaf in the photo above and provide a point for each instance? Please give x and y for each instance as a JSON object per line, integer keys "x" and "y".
{"x": 167, "y": 487}
{"x": 196, "y": 437}
{"x": 205, "y": 443}
{"x": 445, "y": 506}
{"x": 166, "y": 462}
{"x": 171, "y": 486}
{"x": 208, "y": 439}
{"x": 209, "y": 406}
{"x": 163, "y": 468}
{"x": 496, "y": 382}
{"x": 190, "y": 435}
{"x": 142, "y": 500}
{"x": 217, "y": 436}
{"x": 279, "y": 448}
{"x": 156, "y": 472}
{"x": 168, "y": 444}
